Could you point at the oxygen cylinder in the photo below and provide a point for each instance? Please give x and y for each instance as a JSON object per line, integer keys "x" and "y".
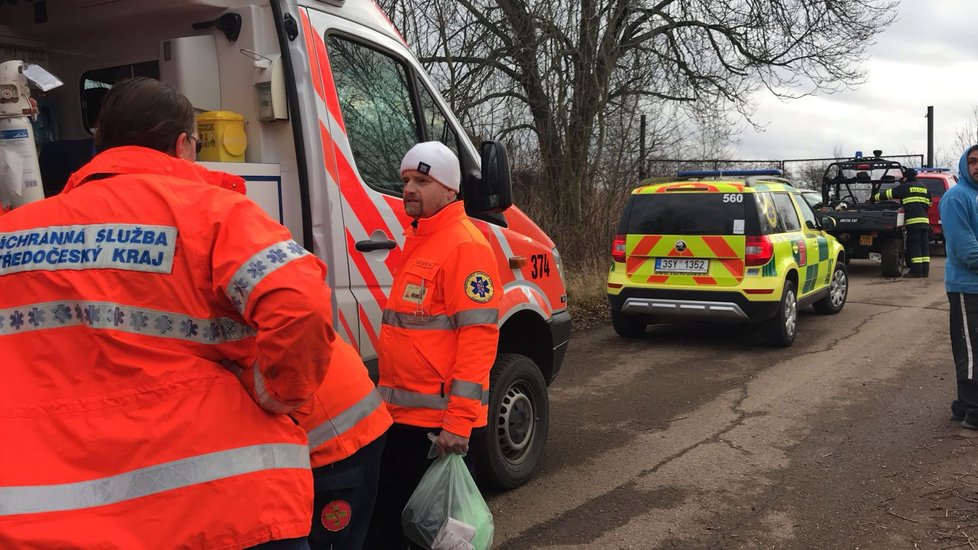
{"x": 20, "y": 175}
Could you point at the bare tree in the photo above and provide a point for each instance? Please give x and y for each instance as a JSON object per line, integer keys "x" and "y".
{"x": 964, "y": 137}
{"x": 548, "y": 74}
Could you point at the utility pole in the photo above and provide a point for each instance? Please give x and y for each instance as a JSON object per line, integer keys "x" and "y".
{"x": 930, "y": 136}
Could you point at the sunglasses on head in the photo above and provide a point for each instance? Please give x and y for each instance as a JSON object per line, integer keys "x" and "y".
{"x": 197, "y": 143}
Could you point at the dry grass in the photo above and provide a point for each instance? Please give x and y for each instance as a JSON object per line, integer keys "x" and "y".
{"x": 587, "y": 299}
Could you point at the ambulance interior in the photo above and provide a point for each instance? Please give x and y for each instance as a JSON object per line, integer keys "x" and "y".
{"x": 222, "y": 54}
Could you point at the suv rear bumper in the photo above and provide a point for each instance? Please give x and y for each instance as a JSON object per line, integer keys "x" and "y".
{"x": 677, "y": 304}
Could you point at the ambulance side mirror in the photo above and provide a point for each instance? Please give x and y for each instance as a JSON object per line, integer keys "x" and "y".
{"x": 493, "y": 192}
{"x": 828, "y": 223}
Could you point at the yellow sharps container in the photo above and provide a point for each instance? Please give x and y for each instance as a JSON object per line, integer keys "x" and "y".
{"x": 222, "y": 135}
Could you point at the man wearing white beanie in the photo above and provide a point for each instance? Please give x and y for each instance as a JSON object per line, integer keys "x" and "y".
{"x": 431, "y": 175}
{"x": 439, "y": 334}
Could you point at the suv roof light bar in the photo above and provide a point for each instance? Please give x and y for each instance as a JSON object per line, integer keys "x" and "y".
{"x": 730, "y": 173}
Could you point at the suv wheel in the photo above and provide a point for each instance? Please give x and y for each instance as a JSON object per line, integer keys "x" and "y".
{"x": 838, "y": 291}
{"x": 781, "y": 328}
{"x": 507, "y": 453}
{"x": 891, "y": 257}
{"x": 627, "y": 326}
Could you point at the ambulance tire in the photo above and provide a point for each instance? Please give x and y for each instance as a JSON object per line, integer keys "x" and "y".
{"x": 780, "y": 329}
{"x": 891, "y": 257}
{"x": 838, "y": 292}
{"x": 507, "y": 452}
{"x": 627, "y": 326}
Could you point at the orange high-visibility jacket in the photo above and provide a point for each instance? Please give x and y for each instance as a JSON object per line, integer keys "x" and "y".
{"x": 120, "y": 300}
{"x": 439, "y": 333}
{"x": 346, "y": 413}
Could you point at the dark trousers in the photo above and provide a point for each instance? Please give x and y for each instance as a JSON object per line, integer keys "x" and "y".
{"x": 404, "y": 463}
{"x": 344, "y": 499}
{"x": 918, "y": 249}
{"x": 964, "y": 348}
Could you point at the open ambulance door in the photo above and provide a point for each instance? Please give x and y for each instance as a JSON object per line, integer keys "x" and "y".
{"x": 373, "y": 105}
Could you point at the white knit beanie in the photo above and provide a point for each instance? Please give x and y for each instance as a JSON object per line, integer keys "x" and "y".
{"x": 435, "y": 160}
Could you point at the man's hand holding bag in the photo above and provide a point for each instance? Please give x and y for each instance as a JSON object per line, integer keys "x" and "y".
{"x": 447, "y": 511}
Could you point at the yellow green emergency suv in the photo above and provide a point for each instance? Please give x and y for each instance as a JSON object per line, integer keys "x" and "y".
{"x": 741, "y": 246}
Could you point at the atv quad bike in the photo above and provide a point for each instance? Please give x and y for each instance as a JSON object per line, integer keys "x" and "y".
{"x": 866, "y": 229}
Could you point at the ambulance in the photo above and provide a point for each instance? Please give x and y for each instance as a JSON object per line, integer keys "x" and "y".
{"x": 314, "y": 103}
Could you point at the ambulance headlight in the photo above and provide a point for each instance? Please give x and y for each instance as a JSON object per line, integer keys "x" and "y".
{"x": 560, "y": 267}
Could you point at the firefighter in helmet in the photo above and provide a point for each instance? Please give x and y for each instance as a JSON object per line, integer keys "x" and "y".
{"x": 916, "y": 201}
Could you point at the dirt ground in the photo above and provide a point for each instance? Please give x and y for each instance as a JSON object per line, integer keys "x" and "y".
{"x": 697, "y": 437}
{"x": 859, "y": 487}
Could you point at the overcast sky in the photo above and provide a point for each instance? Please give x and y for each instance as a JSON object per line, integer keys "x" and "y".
{"x": 929, "y": 56}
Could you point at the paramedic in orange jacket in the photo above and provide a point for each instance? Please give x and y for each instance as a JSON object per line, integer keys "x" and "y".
{"x": 439, "y": 333}
{"x": 346, "y": 422}
{"x": 122, "y": 298}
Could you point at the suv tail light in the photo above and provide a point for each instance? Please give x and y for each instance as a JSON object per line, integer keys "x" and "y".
{"x": 618, "y": 249}
{"x": 758, "y": 250}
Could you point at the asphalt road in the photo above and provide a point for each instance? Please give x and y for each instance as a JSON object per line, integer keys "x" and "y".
{"x": 699, "y": 436}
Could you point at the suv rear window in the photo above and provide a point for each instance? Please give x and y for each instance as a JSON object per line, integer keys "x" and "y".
{"x": 934, "y": 185}
{"x": 689, "y": 214}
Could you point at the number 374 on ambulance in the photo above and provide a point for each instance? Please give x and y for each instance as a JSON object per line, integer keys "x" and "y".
{"x": 314, "y": 103}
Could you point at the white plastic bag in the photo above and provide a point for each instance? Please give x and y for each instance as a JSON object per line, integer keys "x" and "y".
{"x": 447, "y": 509}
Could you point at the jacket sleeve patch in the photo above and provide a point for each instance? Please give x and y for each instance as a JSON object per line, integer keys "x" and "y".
{"x": 478, "y": 287}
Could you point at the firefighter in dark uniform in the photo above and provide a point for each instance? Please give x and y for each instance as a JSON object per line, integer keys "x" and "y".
{"x": 916, "y": 202}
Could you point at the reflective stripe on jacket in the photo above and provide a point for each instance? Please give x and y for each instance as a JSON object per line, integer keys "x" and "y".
{"x": 347, "y": 413}
{"x": 915, "y": 198}
{"x": 122, "y": 299}
{"x": 439, "y": 334}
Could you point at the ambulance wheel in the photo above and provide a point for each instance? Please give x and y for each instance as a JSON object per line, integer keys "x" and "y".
{"x": 891, "y": 257}
{"x": 838, "y": 291}
{"x": 627, "y": 326}
{"x": 781, "y": 328}
{"x": 506, "y": 454}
